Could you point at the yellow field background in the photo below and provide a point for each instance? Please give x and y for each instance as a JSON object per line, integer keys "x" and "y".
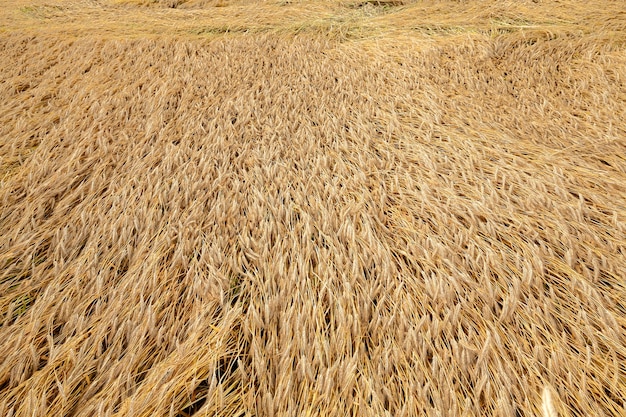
{"x": 313, "y": 208}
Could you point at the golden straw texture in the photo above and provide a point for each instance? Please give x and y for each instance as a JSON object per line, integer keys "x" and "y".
{"x": 321, "y": 208}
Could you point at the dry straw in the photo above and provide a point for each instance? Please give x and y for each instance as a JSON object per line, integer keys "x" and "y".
{"x": 347, "y": 210}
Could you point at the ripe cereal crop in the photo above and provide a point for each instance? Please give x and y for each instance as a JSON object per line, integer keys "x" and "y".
{"x": 312, "y": 208}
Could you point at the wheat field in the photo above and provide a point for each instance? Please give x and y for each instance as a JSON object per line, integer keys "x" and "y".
{"x": 312, "y": 208}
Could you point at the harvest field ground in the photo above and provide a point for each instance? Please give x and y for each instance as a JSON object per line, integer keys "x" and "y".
{"x": 313, "y": 208}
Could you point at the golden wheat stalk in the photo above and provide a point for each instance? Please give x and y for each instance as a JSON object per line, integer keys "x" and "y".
{"x": 311, "y": 208}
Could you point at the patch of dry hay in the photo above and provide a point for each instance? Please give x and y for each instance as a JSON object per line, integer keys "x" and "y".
{"x": 300, "y": 225}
